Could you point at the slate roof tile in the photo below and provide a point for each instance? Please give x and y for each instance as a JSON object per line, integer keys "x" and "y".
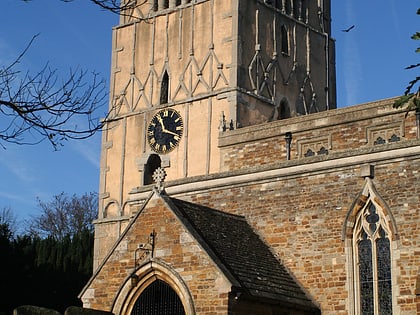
{"x": 241, "y": 251}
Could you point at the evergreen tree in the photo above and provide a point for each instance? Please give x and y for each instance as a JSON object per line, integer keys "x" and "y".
{"x": 44, "y": 271}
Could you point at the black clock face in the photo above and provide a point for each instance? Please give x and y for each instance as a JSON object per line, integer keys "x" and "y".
{"x": 165, "y": 130}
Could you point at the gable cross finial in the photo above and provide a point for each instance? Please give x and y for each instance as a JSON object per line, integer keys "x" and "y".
{"x": 159, "y": 176}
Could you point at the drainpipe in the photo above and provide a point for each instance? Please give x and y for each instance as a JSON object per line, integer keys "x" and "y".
{"x": 288, "y": 139}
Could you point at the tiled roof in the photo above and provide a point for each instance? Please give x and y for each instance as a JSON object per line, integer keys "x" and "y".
{"x": 247, "y": 258}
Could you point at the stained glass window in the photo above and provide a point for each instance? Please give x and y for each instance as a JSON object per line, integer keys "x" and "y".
{"x": 373, "y": 272}
{"x": 366, "y": 275}
{"x": 384, "y": 273}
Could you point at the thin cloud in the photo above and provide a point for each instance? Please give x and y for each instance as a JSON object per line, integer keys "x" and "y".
{"x": 20, "y": 198}
{"x": 395, "y": 18}
{"x": 7, "y": 53}
{"x": 352, "y": 62}
{"x": 352, "y": 70}
{"x": 20, "y": 167}
{"x": 89, "y": 149}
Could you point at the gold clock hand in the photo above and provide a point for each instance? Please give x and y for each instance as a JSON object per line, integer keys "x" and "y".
{"x": 161, "y": 122}
{"x": 163, "y": 127}
{"x": 170, "y": 132}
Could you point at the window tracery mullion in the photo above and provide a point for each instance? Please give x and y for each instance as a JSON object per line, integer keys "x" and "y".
{"x": 375, "y": 275}
{"x": 356, "y": 263}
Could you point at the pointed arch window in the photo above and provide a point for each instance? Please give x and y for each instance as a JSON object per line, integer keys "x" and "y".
{"x": 370, "y": 232}
{"x": 372, "y": 257}
{"x": 164, "y": 89}
{"x": 284, "y": 40}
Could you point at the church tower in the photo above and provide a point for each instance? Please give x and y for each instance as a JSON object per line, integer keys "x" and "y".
{"x": 185, "y": 72}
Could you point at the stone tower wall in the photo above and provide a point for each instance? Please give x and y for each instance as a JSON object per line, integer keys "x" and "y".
{"x": 205, "y": 50}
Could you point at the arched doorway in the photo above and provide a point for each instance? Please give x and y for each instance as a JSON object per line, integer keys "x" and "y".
{"x": 158, "y": 299}
{"x": 154, "y": 274}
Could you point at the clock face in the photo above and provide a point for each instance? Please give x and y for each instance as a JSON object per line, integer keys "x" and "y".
{"x": 165, "y": 130}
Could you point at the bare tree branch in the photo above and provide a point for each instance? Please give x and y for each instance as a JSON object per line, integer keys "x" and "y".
{"x": 41, "y": 106}
{"x": 114, "y": 6}
{"x": 64, "y": 215}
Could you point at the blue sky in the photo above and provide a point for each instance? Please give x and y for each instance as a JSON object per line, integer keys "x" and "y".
{"x": 371, "y": 58}
{"x": 71, "y": 35}
{"x": 370, "y": 66}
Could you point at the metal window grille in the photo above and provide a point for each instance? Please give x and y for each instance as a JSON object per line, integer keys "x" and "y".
{"x": 158, "y": 299}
